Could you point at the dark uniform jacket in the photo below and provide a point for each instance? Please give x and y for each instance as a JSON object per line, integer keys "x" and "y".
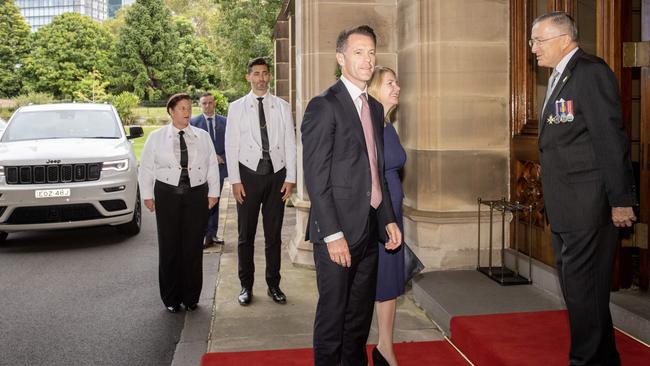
{"x": 583, "y": 148}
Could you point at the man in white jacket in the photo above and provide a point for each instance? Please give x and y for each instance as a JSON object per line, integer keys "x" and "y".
{"x": 261, "y": 149}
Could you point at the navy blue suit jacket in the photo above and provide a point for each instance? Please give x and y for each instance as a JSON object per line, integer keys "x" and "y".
{"x": 219, "y": 140}
{"x": 336, "y": 165}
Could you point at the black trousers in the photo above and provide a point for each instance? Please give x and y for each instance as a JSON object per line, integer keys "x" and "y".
{"x": 181, "y": 216}
{"x": 584, "y": 263}
{"x": 346, "y": 301}
{"x": 264, "y": 191}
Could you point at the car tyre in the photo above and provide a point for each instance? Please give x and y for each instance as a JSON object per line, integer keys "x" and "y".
{"x": 132, "y": 227}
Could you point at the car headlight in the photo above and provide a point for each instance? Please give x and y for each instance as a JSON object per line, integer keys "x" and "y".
{"x": 2, "y": 171}
{"x": 117, "y": 165}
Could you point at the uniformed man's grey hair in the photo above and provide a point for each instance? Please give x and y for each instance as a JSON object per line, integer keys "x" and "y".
{"x": 561, "y": 20}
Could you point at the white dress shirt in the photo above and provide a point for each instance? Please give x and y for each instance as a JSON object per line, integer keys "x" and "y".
{"x": 161, "y": 156}
{"x": 562, "y": 64}
{"x": 355, "y": 93}
{"x": 244, "y": 141}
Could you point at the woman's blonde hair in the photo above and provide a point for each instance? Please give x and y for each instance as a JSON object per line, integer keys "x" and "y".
{"x": 375, "y": 84}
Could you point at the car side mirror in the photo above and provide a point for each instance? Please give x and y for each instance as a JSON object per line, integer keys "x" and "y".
{"x": 135, "y": 132}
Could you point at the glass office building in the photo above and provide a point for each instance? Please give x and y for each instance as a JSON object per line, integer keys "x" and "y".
{"x": 115, "y": 5}
{"x": 40, "y": 12}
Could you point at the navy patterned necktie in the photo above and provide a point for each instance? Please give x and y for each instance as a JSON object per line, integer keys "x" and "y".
{"x": 211, "y": 127}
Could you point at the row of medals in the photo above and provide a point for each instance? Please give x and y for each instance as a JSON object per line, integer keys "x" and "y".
{"x": 562, "y": 118}
{"x": 563, "y": 112}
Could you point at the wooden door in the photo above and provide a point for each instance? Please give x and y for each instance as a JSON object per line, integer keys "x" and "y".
{"x": 634, "y": 260}
{"x": 644, "y": 186}
{"x": 601, "y": 26}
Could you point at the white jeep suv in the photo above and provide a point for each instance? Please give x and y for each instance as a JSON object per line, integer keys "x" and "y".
{"x": 67, "y": 166}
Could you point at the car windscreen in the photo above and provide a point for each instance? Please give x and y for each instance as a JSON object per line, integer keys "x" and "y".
{"x": 61, "y": 124}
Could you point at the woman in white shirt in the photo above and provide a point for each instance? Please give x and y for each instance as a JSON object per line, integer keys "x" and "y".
{"x": 179, "y": 181}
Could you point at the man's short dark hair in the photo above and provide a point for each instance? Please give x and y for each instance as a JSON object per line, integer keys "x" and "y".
{"x": 561, "y": 20}
{"x": 206, "y": 94}
{"x": 174, "y": 99}
{"x": 257, "y": 61}
{"x": 342, "y": 40}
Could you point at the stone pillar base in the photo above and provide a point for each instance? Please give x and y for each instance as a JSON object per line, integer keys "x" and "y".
{"x": 449, "y": 240}
{"x": 300, "y": 250}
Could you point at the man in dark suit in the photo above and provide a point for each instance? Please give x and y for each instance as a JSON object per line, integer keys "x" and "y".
{"x": 587, "y": 180}
{"x": 342, "y": 136}
{"x": 216, "y": 126}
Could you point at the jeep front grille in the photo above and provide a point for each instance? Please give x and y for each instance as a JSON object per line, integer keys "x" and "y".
{"x": 59, "y": 173}
{"x": 51, "y": 214}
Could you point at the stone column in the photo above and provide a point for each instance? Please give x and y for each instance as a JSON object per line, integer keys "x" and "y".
{"x": 282, "y": 67}
{"x": 453, "y": 121}
{"x": 317, "y": 24}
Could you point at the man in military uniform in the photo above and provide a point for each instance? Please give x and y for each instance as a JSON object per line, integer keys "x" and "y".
{"x": 587, "y": 180}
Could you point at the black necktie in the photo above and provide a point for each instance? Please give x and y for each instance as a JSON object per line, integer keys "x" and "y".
{"x": 185, "y": 178}
{"x": 263, "y": 131}
{"x": 183, "y": 150}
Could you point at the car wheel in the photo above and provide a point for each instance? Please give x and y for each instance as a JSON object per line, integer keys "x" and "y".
{"x": 133, "y": 227}
{"x": 3, "y": 236}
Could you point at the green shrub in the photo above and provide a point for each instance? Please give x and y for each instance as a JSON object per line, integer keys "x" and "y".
{"x": 151, "y": 121}
{"x": 33, "y": 98}
{"x": 125, "y": 102}
{"x": 221, "y": 103}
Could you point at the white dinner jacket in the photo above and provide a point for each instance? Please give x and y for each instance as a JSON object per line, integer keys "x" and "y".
{"x": 244, "y": 141}
{"x": 158, "y": 161}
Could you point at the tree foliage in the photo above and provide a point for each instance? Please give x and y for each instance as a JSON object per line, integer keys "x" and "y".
{"x": 92, "y": 88}
{"x": 14, "y": 33}
{"x": 220, "y": 101}
{"x": 245, "y": 31}
{"x": 64, "y": 52}
{"x": 152, "y": 48}
{"x": 199, "y": 65}
{"x": 33, "y": 98}
{"x": 148, "y": 52}
{"x": 202, "y": 14}
{"x": 114, "y": 25}
{"x": 124, "y": 103}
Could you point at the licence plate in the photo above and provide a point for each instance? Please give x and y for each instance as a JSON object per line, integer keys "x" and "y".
{"x": 50, "y": 193}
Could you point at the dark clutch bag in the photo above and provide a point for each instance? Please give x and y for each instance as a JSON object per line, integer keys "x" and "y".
{"x": 412, "y": 264}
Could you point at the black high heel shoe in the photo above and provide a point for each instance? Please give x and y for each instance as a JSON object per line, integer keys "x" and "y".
{"x": 378, "y": 359}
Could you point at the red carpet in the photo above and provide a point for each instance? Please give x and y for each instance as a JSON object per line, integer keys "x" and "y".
{"x": 528, "y": 339}
{"x": 438, "y": 353}
{"x": 516, "y": 339}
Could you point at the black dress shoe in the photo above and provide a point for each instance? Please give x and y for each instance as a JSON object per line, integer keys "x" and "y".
{"x": 245, "y": 296}
{"x": 191, "y": 307}
{"x": 208, "y": 241}
{"x": 378, "y": 359}
{"x": 277, "y": 295}
{"x": 173, "y": 308}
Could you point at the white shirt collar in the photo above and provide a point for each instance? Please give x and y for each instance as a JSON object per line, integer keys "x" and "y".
{"x": 188, "y": 130}
{"x": 565, "y": 60}
{"x": 255, "y": 96}
{"x": 214, "y": 116}
{"x": 354, "y": 90}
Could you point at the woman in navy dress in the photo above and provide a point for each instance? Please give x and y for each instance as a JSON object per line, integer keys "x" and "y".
{"x": 390, "y": 274}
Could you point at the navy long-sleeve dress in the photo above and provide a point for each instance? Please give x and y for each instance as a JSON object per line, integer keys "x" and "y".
{"x": 390, "y": 274}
